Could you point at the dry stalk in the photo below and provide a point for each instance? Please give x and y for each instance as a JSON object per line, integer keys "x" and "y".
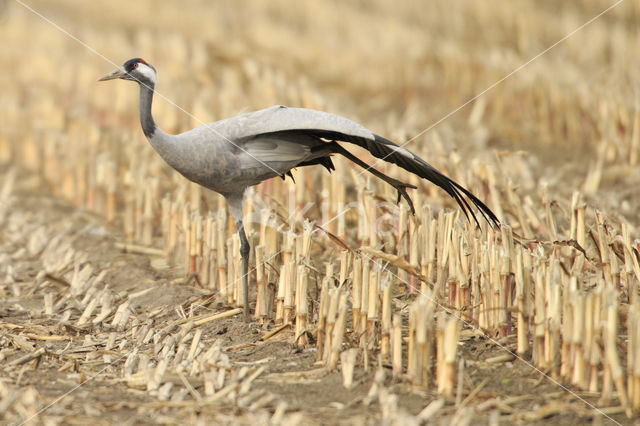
{"x": 450, "y": 348}
{"x": 302, "y": 313}
{"x": 338, "y": 332}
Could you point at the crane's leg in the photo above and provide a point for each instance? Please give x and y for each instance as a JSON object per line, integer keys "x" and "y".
{"x": 234, "y": 201}
{"x": 245, "y": 249}
{"x": 401, "y": 187}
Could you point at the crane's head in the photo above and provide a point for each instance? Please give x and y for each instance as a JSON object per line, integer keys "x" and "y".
{"x": 136, "y": 69}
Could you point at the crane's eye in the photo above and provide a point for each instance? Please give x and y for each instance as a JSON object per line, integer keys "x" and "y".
{"x": 135, "y": 65}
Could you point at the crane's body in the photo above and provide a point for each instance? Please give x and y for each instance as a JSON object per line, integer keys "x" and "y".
{"x": 241, "y": 151}
{"x": 230, "y": 155}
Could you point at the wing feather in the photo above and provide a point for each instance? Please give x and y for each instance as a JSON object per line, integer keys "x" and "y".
{"x": 271, "y": 149}
{"x": 282, "y": 119}
{"x": 388, "y": 151}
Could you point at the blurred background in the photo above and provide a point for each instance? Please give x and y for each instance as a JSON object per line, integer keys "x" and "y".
{"x": 567, "y": 119}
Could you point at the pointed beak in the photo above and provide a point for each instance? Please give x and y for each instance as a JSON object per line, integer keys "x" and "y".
{"x": 119, "y": 73}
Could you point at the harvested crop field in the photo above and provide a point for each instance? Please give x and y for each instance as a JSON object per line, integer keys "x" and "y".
{"x": 120, "y": 280}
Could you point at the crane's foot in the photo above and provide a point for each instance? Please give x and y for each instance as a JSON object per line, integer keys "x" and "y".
{"x": 401, "y": 187}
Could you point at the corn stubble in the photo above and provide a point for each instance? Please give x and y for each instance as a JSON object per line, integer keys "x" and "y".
{"x": 371, "y": 286}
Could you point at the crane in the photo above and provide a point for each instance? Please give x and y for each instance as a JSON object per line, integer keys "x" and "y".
{"x": 232, "y": 154}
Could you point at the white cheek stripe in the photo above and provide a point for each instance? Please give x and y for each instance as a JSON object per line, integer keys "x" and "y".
{"x": 146, "y": 71}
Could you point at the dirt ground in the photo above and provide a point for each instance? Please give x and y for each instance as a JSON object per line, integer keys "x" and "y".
{"x": 77, "y": 376}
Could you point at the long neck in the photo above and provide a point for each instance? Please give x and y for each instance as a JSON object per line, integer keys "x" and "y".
{"x": 166, "y": 145}
{"x": 146, "y": 119}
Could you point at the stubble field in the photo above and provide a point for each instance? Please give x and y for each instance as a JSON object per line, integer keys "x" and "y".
{"x": 119, "y": 278}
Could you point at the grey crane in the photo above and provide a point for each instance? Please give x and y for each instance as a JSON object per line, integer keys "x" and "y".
{"x": 230, "y": 155}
